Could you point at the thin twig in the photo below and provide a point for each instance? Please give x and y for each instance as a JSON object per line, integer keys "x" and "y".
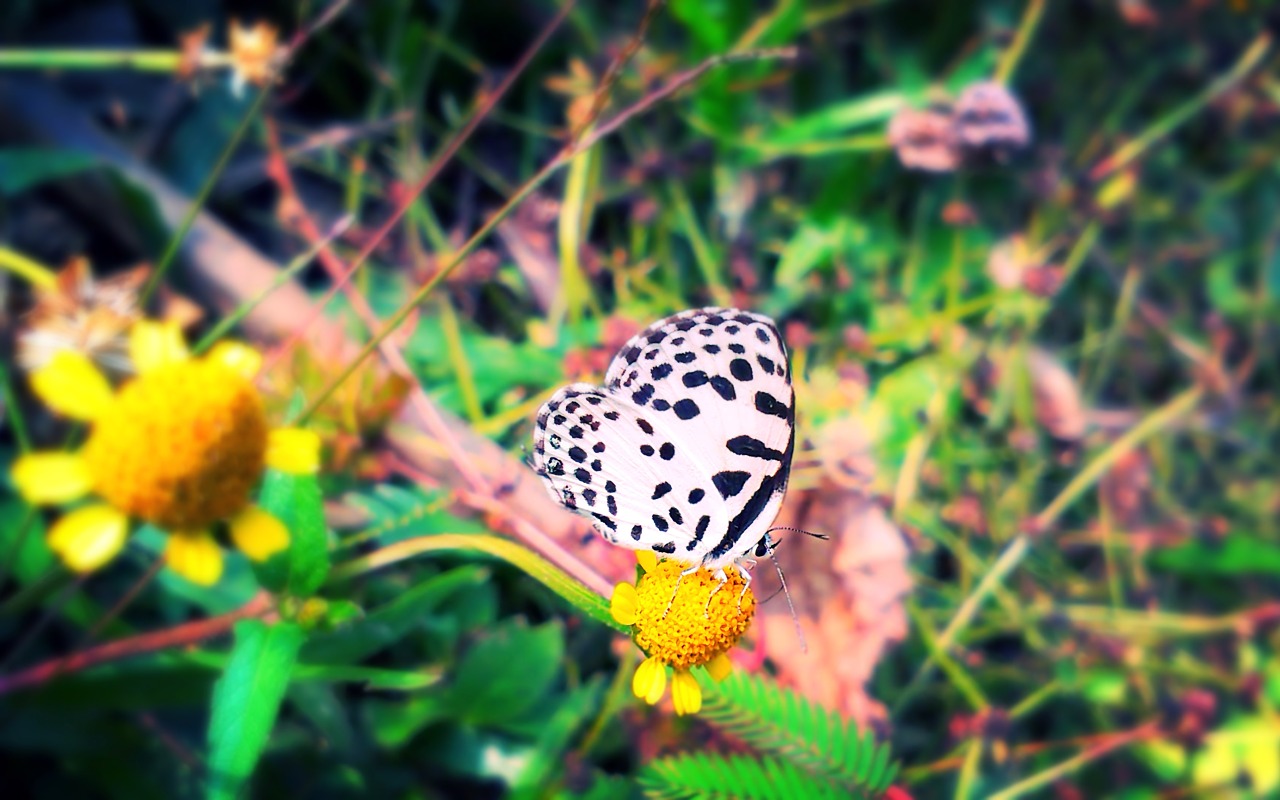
{"x": 178, "y": 636}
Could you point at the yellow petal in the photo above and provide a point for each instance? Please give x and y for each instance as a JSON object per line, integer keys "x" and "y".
{"x": 686, "y": 694}
{"x": 155, "y": 344}
{"x": 647, "y": 560}
{"x": 46, "y": 478}
{"x": 238, "y": 357}
{"x": 71, "y": 385}
{"x": 89, "y": 537}
{"x": 650, "y": 680}
{"x": 294, "y": 450}
{"x": 624, "y": 604}
{"x": 257, "y": 534}
{"x": 719, "y": 667}
{"x": 195, "y": 556}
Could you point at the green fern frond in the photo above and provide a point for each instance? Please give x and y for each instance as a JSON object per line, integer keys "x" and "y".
{"x": 702, "y": 776}
{"x": 776, "y": 721}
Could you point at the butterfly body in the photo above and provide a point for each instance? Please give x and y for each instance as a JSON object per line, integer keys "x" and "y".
{"x": 686, "y": 448}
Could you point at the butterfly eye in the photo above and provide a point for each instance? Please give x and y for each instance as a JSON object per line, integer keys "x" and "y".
{"x": 762, "y": 548}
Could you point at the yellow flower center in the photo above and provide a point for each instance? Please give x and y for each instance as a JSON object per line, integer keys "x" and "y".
{"x": 705, "y": 619}
{"x": 180, "y": 447}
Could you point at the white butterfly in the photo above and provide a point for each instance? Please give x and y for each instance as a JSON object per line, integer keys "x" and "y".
{"x": 686, "y": 449}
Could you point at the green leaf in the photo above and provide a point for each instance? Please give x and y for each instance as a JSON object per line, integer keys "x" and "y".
{"x": 246, "y": 700}
{"x": 1237, "y": 554}
{"x": 23, "y": 168}
{"x": 699, "y": 776}
{"x": 779, "y": 722}
{"x": 391, "y": 622}
{"x": 297, "y": 502}
{"x": 572, "y": 712}
{"x": 507, "y": 673}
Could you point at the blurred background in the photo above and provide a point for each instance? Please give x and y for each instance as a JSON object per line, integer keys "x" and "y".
{"x": 1026, "y": 257}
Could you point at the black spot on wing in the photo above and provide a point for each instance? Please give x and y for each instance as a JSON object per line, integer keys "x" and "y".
{"x": 695, "y": 379}
{"x": 762, "y": 335}
{"x": 598, "y": 447}
{"x": 606, "y": 521}
{"x": 753, "y": 447}
{"x": 660, "y": 522}
{"x": 641, "y": 396}
{"x": 667, "y": 451}
{"x": 724, "y": 388}
{"x": 612, "y": 503}
{"x": 661, "y": 371}
{"x": 590, "y": 496}
{"x": 636, "y": 532}
{"x": 698, "y": 533}
{"x": 737, "y": 348}
{"x": 667, "y": 548}
{"x": 645, "y": 426}
{"x": 675, "y": 515}
{"x": 686, "y": 409}
{"x": 730, "y": 482}
{"x": 555, "y": 466}
{"x": 685, "y": 358}
{"x": 696, "y": 495}
{"x": 768, "y": 404}
{"x": 577, "y": 454}
{"x": 646, "y": 450}
{"x": 740, "y": 369}
{"x": 660, "y": 490}
{"x": 610, "y": 486}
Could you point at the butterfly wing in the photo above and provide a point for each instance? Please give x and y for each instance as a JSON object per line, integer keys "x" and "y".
{"x": 604, "y": 457}
{"x": 716, "y": 382}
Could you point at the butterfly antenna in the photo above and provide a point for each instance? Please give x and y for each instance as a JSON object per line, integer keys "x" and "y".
{"x": 804, "y": 647}
{"x": 821, "y": 536}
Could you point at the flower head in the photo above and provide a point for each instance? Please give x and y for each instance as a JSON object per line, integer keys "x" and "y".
{"x": 682, "y": 619}
{"x": 180, "y": 446}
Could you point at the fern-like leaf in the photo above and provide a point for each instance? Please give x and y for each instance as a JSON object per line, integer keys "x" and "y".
{"x": 703, "y": 776}
{"x": 776, "y": 721}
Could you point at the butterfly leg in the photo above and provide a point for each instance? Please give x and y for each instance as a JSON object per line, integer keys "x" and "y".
{"x": 744, "y": 565}
{"x": 676, "y": 588}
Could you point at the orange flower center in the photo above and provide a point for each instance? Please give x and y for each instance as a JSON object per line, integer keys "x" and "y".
{"x": 705, "y": 618}
{"x": 180, "y": 447}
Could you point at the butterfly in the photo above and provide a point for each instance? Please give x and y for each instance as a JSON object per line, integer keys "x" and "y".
{"x": 686, "y": 449}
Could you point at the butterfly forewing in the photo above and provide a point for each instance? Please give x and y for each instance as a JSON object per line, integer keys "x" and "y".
{"x": 694, "y": 438}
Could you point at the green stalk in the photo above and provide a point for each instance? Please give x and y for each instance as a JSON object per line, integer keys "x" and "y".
{"x": 1171, "y": 121}
{"x": 576, "y": 593}
{"x": 143, "y": 60}
{"x": 175, "y": 242}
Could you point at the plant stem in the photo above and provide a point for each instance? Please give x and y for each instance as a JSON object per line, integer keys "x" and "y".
{"x": 1026, "y": 29}
{"x": 193, "y": 210}
{"x": 1171, "y": 121}
{"x": 1074, "y": 763}
{"x": 577, "y": 593}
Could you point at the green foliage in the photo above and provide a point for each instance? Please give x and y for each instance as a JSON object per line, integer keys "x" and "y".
{"x": 701, "y": 776}
{"x": 804, "y": 745}
{"x": 24, "y": 168}
{"x": 246, "y": 700}
{"x": 296, "y": 501}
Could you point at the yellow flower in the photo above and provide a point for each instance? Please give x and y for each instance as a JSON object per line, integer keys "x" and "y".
{"x": 180, "y": 446}
{"x": 681, "y": 621}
